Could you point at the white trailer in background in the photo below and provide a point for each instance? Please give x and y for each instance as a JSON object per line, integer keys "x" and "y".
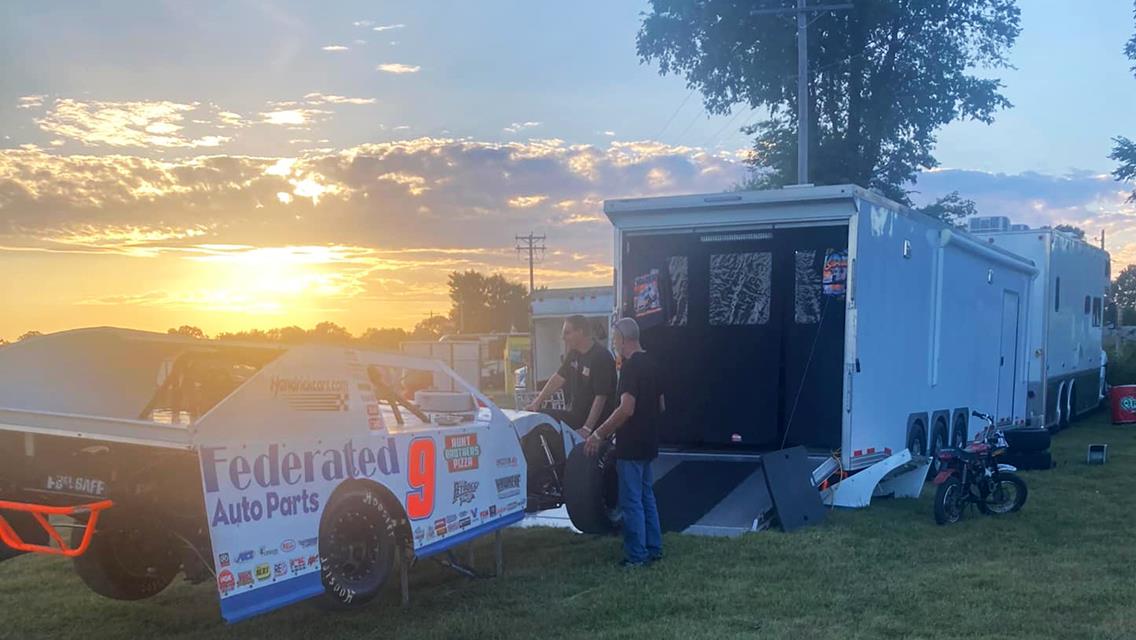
{"x": 1065, "y": 316}
{"x": 550, "y": 307}
{"x": 827, "y": 317}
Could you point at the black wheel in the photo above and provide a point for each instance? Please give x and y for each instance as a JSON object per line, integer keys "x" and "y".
{"x": 1063, "y": 408}
{"x": 917, "y": 439}
{"x": 128, "y": 559}
{"x": 357, "y": 542}
{"x": 958, "y": 432}
{"x": 591, "y": 490}
{"x": 543, "y": 448}
{"x": 1071, "y": 404}
{"x": 949, "y": 501}
{"x": 938, "y": 443}
{"x": 1027, "y": 439}
{"x": 1007, "y": 494}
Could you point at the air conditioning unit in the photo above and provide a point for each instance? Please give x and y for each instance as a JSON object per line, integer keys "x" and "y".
{"x": 1019, "y": 227}
{"x": 988, "y": 224}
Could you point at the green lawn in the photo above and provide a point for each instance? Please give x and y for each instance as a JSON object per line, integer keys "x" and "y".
{"x": 1064, "y": 567}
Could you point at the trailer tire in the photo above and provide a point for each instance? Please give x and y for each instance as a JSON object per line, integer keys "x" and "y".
{"x": 1071, "y": 403}
{"x": 127, "y": 559}
{"x": 917, "y": 438}
{"x": 938, "y": 443}
{"x": 591, "y": 490}
{"x": 959, "y": 435}
{"x": 358, "y": 535}
{"x": 1027, "y": 440}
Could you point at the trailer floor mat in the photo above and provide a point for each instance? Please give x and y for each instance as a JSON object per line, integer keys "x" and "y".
{"x": 692, "y": 489}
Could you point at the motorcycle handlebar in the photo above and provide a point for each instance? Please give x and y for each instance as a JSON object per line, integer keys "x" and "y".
{"x": 983, "y": 416}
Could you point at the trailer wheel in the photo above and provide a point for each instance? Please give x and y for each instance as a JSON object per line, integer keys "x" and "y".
{"x": 1071, "y": 403}
{"x": 938, "y": 443}
{"x": 1059, "y": 407}
{"x": 545, "y": 476}
{"x": 917, "y": 439}
{"x": 958, "y": 431}
{"x": 128, "y": 559}
{"x": 357, "y": 541}
{"x": 591, "y": 490}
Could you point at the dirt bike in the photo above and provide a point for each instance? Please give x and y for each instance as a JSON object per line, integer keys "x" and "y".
{"x": 971, "y": 475}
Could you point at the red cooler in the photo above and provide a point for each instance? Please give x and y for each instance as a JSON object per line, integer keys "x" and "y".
{"x": 1123, "y": 399}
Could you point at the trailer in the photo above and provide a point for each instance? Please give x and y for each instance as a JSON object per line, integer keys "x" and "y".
{"x": 1066, "y": 356}
{"x": 281, "y": 473}
{"x": 550, "y": 308}
{"x": 824, "y": 317}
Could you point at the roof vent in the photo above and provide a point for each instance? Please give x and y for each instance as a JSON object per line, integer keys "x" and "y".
{"x": 988, "y": 224}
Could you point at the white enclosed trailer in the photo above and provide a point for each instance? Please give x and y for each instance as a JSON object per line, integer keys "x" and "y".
{"x": 827, "y": 317}
{"x": 550, "y": 308}
{"x": 1065, "y": 315}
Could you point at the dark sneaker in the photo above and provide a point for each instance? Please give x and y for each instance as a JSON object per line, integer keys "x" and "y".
{"x": 655, "y": 558}
{"x": 631, "y": 564}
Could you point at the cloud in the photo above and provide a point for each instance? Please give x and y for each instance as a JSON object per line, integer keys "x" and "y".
{"x": 519, "y": 126}
{"x": 319, "y": 98}
{"x": 608, "y": 133}
{"x": 293, "y": 118}
{"x": 363, "y": 23}
{"x": 389, "y": 27}
{"x": 125, "y": 124}
{"x": 334, "y": 47}
{"x": 30, "y": 102}
{"x": 525, "y": 202}
{"x": 397, "y": 68}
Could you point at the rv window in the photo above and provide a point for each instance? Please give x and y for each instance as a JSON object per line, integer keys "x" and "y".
{"x": 1057, "y": 295}
{"x": 1088, "y": 305}
{"x": 1097, "y": 312}
{"x": 678, "y": 268}
{"x": 740, "y": 288}
{"x": 807, "y": 291}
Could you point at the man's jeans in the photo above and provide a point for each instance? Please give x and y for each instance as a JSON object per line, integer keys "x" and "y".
{"x": 642, "y": 537}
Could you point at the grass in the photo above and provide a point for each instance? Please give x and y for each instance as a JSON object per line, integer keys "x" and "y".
{"x": 1064, "y": 567}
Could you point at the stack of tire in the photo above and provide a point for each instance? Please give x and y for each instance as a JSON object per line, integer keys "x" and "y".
{"x": 1028, "y": 449}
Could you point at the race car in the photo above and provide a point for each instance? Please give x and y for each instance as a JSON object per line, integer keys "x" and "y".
{"x": 279, "y": 472}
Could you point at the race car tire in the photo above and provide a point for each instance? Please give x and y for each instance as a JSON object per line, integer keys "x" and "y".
{"x": 591, "y": 490}
{"x": 1027, "y": 440}
{"x": 358, "y": 536}
{"x": 1028, "y": 461}
{"x": 127, "y": 559}
{"x": 544, "y": 479}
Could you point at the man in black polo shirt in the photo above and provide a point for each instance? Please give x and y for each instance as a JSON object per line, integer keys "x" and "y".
{"x": 587, "y": 377}
{"x": 635, "y": 423}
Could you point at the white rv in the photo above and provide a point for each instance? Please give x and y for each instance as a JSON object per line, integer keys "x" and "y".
{"x": 1065, "y": 315}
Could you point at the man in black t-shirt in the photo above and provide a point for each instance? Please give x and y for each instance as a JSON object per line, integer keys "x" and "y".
{"x": 635, "y": 423}
{"x": 587, "y": 377}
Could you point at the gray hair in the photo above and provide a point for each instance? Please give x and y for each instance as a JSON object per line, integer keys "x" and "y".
{"x": 628, "y": 328}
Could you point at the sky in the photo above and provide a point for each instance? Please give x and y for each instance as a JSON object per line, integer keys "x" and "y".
{"x": 253, "y": 164}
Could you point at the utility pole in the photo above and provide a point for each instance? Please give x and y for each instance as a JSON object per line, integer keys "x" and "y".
{"x": 532, "y": 245}
{"x": 802, "y": 10}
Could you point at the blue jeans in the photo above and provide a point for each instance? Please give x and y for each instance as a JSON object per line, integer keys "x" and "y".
{"x": 642, "y": 536}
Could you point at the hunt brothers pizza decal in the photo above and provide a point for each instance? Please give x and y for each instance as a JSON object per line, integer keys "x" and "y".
{"x": 462, "y": 452}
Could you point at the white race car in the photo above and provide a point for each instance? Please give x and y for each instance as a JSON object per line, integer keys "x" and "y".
{"x": 281, "y": 472}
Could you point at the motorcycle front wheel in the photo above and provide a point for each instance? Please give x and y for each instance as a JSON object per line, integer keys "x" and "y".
{"x": 1007, "y": 494}
{"x": 949, "y": 501}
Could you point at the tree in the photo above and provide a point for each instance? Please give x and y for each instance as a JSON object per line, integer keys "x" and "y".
{"x": 486, "y": 304}
{"x": 1073, "y": 230}
{"x": 433, "y": 328}
{"x": 188, "y": 331}
{"x": 951, "y": 208}
{"x": 387, "y": 339}
{"x": 884, "y": 77}
{"x": 1124, "y": 150}
{"x": 329, "y": 333}
{"x": 1124, "y": 289}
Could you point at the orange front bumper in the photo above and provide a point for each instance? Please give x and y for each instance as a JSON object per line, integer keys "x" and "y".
{"x": 10, "y": 537}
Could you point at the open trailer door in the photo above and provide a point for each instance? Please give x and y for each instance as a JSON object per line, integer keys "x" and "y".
{"x": 747, "y": 331}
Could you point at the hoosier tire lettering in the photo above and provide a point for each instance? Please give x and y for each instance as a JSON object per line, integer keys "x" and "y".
{"x": 357, "y": 542}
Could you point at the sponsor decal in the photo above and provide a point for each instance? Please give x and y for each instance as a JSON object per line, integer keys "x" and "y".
{"x": 313, "y": 560}
{"x": 308, "y": 542}
{"x": 1128, "y": 403}
{"x": 484, "y": 514}
{"x": 511, "y": 461}
{"x": 451, "y": 520}
{"x": 244, "y": 578}
{"x": 263, "y": 572}
{"x": 473, "y": 514}
{"x": 464, "y": 491}
{"x": 280, "y": 569}
{"x": 464, "y": 522}
{"x": 275, "y": 472}
{"x": 76, "y": 484}
{"x": 244, "y": 556}
{"x": 268, "y": 551}
{"x": 298, "y": 565}
{"x": 462, "y": 452}
{"x": 440, "y": 527}
{"x": 288, "y": 546}
{"x": 509, "y": 486}
{"x": 223, "y": 559}
{"x": 492, "y": 511}
{"x": 419, "y": 533}
{"x": 310, "y": 394}
{"x": 225, "y": 582}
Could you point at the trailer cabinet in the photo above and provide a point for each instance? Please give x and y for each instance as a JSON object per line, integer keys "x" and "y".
{"x": 827, "y": 317}
{"x": 1065, "y": 316}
